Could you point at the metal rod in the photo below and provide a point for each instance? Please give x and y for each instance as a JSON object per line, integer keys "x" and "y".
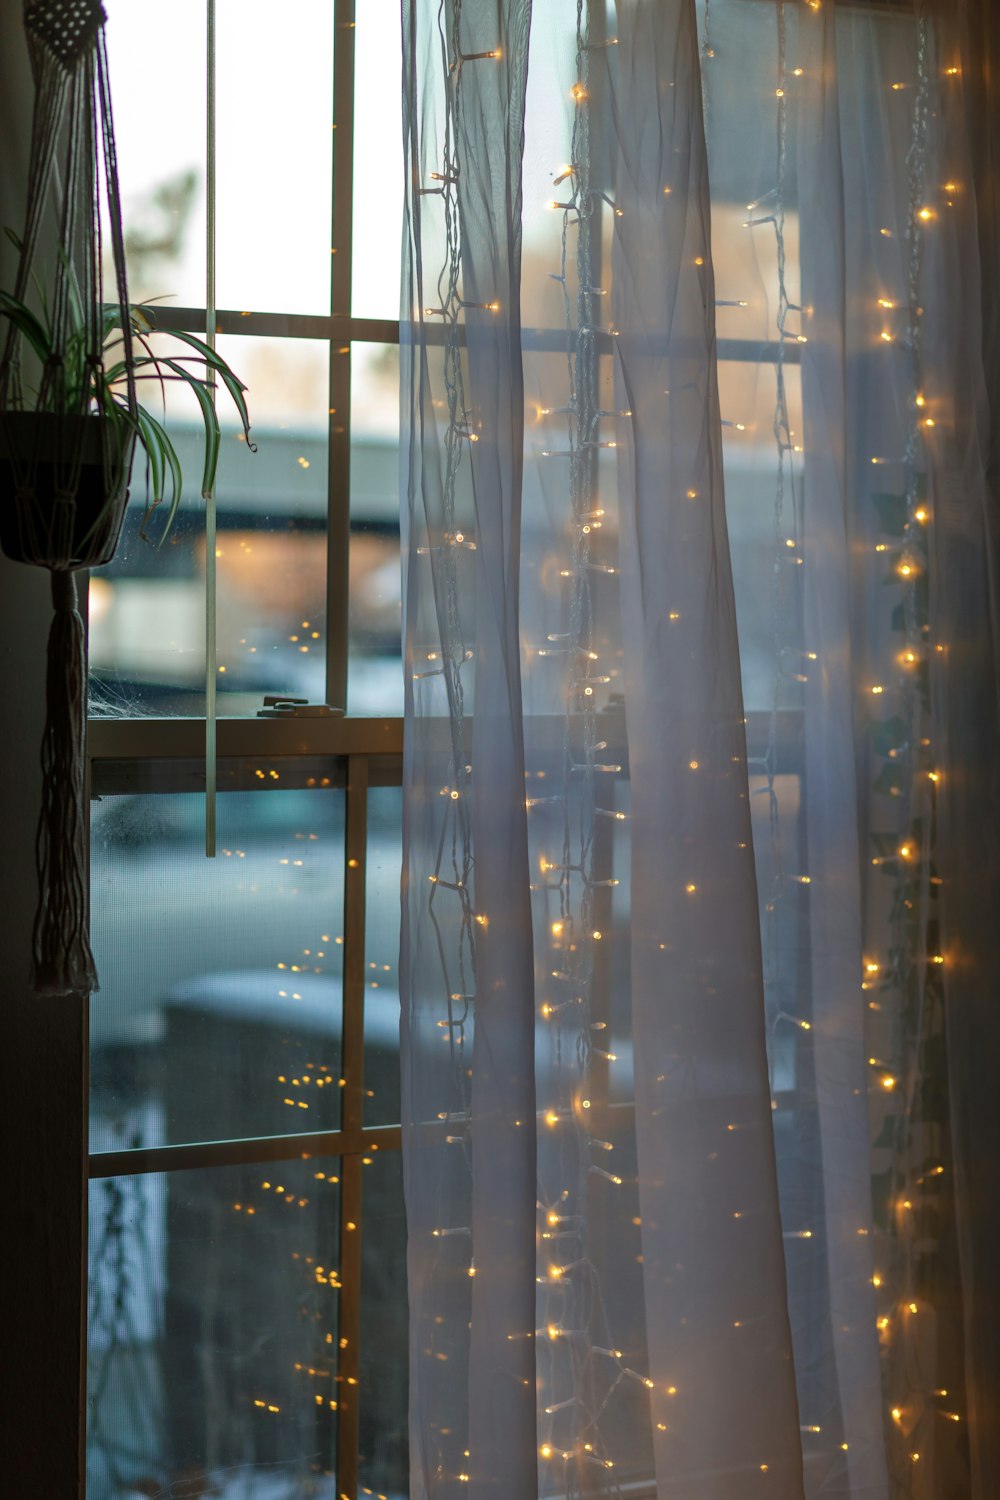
{"x": 339, "y": 464}
{"x": 184, "y": 1158}
{"x": 352, "y": 1124}
{"x": 211, "y": 748}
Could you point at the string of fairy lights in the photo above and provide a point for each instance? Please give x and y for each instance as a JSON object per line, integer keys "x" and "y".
{"x": 450, "y": 654}
{"x": 905, "y": 968}
{"x": 901, "y": 926}
{"x": 441, "y": 665}
{"x": 582, "y": 1374}
{"x": 786, "y": 553}
{"x": 274, "y": 1220}
{"x": 578, "y": 1371}
{"x": 904, "y": 965}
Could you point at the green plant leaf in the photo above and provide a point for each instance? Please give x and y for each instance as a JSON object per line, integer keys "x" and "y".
{"x": 28, "y": 325}
{"x": 931, "y": 1101}
{"x": 120, "y": 420}
{"x": 889, "y": 781}
{"x": 162, "y": 453}
{"x": 76, "y": 301}
{"x": 141, "y": 321}
{"x": 164, "y": 465}
{"x": 881, "y": 1193}
{"x": 213, "y": 436}
{"x": 233, "y": 385}
{"x": 154, "y": 452}
{"x": 885, "y": 844}
{"x": 888, "y": 734}
{"x": 891, "y": 510}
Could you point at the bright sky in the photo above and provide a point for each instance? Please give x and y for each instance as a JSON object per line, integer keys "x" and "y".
{"x": 274, "y": 143}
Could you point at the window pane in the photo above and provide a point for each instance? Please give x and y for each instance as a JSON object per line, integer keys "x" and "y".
{"x": 378, "y": 162}
{"x": 274, "y": 163}
{"x": 212, "y": 1333}
{"x": 161, "y": 171}
{"x": 375, "y": 673}
{"x": 272, "y": 508}
{"x": 147, "y": 607}
{"x": 385, "y": 856}
{"x": 767, "y": 562}
{"x": 219, "y": 1011}
{"x": 383, "y": 1450}
{"x": 784, "y": 927}
{"x": 275, "y": 155}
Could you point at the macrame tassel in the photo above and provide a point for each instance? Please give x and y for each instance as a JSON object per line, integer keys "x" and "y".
{"x": 63, "y": 963}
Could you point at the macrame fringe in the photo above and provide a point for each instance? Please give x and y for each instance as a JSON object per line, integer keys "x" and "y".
{"x": 67, "y": 468}
{"x": 62, "y": 961}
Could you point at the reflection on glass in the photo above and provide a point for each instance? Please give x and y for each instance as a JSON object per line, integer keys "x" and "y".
{"x": 383, "y": 1451}
{"x": 385, "y": 856}
{"x": 378, "y": 162}
{"x": 147, "y": 605}
{"x": 375, "y": 677}
{"x": 212, "y": 1333}
{"x": 219, "y": 1009}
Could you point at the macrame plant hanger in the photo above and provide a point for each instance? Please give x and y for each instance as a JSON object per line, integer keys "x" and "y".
{"x": 66, "y": 443}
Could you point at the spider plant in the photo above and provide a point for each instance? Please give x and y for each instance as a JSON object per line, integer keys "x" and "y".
{"x": 82, "y": 389}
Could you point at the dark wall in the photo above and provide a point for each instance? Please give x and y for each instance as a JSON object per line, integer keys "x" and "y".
{"x": 42, "y": 1055}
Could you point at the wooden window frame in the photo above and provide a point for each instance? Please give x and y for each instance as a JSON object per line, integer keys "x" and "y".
{"x": 115, "y": 744}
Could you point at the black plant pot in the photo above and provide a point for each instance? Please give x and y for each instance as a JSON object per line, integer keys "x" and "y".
{"x": 45, "y": 444}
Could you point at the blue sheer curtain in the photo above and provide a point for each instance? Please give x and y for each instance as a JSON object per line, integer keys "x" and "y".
{"x": 699, "y": 652}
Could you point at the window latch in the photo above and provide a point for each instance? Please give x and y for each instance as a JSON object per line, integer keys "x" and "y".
{"x": 279, "y": 706}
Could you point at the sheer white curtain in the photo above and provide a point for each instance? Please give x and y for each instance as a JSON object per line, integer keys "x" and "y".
{"x": 700, "y": 664}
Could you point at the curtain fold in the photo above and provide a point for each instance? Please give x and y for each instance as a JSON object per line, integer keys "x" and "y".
{"x": 700, "y": 799}
{"x": 714, "y": 1282}
{"x": 839, "y": 1127}
{"x": 960, "y": 356}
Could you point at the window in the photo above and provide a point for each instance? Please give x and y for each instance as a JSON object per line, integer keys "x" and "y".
{"x": 247, "y": 1318}
{"x": 247, "y": 1323}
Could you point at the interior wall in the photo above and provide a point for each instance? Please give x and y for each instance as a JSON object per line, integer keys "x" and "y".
{"x": 42, "y": 1056}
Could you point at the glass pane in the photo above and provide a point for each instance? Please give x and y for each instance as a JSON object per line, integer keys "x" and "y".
{"x": 375, "y": 672}
{"x": 161, "y": 171}
{"x": 764, "y": 517}
{"x": 385, "y": 857}
{"x": 275, "y": 156}
{"x": 147, "y": 606}
{"x": 212, "y": 1333}
{"x": 219, "y": 1011}
{"x": 272, "y": 508}
{"x": 378, "y": 162}
{"x": 274, "y": 164}
{"x": 383, "y": 1456}
{"x": 784, "y": 928}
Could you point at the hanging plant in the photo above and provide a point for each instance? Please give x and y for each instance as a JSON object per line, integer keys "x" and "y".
{"x": 70, "y": 420}
{"x": 41, "y": 440}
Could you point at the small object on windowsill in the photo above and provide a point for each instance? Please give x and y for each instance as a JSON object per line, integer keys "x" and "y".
{"x": 278, "y": 706}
